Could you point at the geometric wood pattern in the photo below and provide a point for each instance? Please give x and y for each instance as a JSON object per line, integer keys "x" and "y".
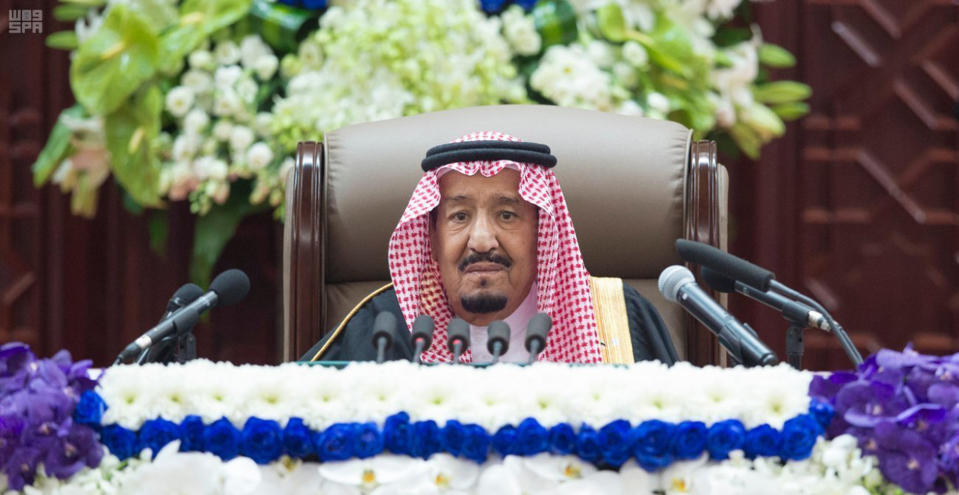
{"x": 873, "y": 171}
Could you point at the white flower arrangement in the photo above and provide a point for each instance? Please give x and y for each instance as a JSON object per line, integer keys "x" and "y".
{"x": 836, "y": 467}
{"x": 550, "y": 393}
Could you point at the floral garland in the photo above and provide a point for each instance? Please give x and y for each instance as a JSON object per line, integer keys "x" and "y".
{"x": 217, "y": 94}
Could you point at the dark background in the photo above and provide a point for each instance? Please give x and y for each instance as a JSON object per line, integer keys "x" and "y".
{"x": 857, "y": 206}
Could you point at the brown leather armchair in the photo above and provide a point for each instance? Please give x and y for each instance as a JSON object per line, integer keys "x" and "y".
{"x": 633, "y": 186}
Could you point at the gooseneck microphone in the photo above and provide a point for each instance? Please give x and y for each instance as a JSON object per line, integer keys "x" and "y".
{"x": 536, "y": 332}
{"x": 458, "y": 337}
{"x": 177, "y": 346}
{"x": 791, "y": 310}
{"x": 679, "y": 286}
{"x": 497, "y": 339}
{"x": 384, "y": 327}
{"x": 229, "y": 287}
{"x": 186, "y": 294}
{"x": 422, "y": 335}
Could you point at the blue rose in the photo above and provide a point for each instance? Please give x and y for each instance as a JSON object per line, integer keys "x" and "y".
{"x": 562, "y": 439}
{"x": 532, "y": 438}
{"x": 526, "y": 4}
{"x": 90, "y": 409}
{"x": 261, "y": 440}
{"x": 763, "y": 441}
{"x": 397, "y": 433}
{"x": 191, "y": 434}
{"x": 427, "y": 439}
{"x": 335, "y": 443}
{"x": 798, "y": 437}
{"x": 476, "y": 442}
{"x": 615, "y": 442}
{"x": 822, "y": 412}
{"x": 297, "y": 439}
{"x": 369, "y": 440}
{"x": 587, "y": 444}
{"x": 504, "y": 440}
{"x": 222, "y": 439}
{"x": 454, "y": 434}
{"x": 725, "y": 437}
{"x": 651, "y": 443}
{"x": 156, "y": 433}
{"x": 121, "y": 441}
{"x": 689, "y": 440}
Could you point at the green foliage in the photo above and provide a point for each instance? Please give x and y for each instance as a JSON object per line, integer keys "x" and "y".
{"x": 781, "y": 92}
{"x": 114, "y": 62}
{"x": 556, "y": 22}
{"x": 56, "y": 150}
{"x": 216, "y": 228}
{"x": 69, "y": 12}
{"x": 197, "y": 20}
{"x": 62, "y": 40}
{"x": 775, "y": 56}
{"x": 130, "y": 133}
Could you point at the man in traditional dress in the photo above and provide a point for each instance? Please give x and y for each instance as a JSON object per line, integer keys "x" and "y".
{"x": 487, "y": 236}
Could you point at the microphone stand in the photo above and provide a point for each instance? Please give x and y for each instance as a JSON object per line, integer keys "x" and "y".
{"x": 794, "y": 343}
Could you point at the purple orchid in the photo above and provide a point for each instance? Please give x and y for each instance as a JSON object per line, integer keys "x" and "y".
{"x": 906, "y": 458}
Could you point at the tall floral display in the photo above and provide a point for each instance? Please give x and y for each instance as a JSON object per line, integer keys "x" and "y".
{"x": 205, "y": 100}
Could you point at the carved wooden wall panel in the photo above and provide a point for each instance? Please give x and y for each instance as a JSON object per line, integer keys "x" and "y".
{"x": 866, "y": 213}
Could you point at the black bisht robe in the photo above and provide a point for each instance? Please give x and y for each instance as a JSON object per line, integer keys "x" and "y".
{"x": 650, "y": 338}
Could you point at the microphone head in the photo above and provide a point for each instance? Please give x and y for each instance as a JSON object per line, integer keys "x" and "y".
{"x": 731, "y": 266}
{"x": 537, "y": 329}
{"x": 230, "y": 286}
{"x": 423, "y": 329}
{"x": 717, "y": 281}
{"x": 384, "y": 326}
{"x": 458, "y": 329}
{"x": 498, "y": 331}
{"x": 672, "y": 278}
{"x": 186, "y": 294}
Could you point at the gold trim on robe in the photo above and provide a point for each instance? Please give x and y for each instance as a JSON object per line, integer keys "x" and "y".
{"x": 609, "y": 306}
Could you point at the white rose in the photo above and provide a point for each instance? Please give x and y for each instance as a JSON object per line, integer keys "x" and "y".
{"x": 202, "y": 59}
{"x": 197, "y": 80}
{"x": 251, "y": 49}
{"x": 246, "y": 89}
{"x": 263, "y": 123}
{"x": 226, "y": 103}
{"x": 221, "y": 193}
{"x": 725, "y": 113}
{"x": 196, "y": 121}
{"x": 227, "y": 76}
{"x": 222, "y": 130}
{"x": 625, "y": 74}
{"x": 259, "y": 156}
{"x": 179, "y": 100}
{"x": 311, "y": 55}
{"x": 207, "y": 167}
{"x": 658, "y": 102}
{"x": 266, "y": 66}
{"x": 635, "y": 54}
{"x": 227, "y": 53}
{"x": 630, "y": 107}
{"x": 184, "y": 147}
{"x": 241, "y": 138}
{"x": 600, "y": 53}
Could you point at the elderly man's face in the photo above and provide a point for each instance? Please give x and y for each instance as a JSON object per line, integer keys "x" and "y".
{"x": 484, "y": 240}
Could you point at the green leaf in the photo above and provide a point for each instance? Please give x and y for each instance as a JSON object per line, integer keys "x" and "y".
{"x": 781, "y": 92}
{"x": 159, "y": 228}
{"x": 130, "y": 131}
{"x": 775, "y": 56}
{"x": 197, "y": 21}
{"x": 115, "y": 61}
{"x": 69, "y": 12}
{"x": 611, "y": 23}
{"x": 555, "y": 21}
{"x": 161, "y": 13}
{"x": 746, "y": 139}
{"x": 791, "y": 111}
{"x": 57, "y": 148}
{"x": 63, "y": 40}
{"x": 764, "y": 121}
{"x": 282, "y": 26}
{"x": 88, "y": 3}
{"x": 216, "y": 228}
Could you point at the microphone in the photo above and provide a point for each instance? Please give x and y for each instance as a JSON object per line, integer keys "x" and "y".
{"x": 228, "y": 288}
{"x": 725, "y": 263}
{"x": 497, "y": 339}
{"x": 536, "y": 331}
{"x": 422, "y": 335}
{"x": 384, "y": 327}
{"x": 793, "y": 311}
{"x": 679, "y": 286}
{"x": 458, "y": 337}
{"x": 186, "y": 294}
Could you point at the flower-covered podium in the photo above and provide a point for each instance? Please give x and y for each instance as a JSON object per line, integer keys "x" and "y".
{"x": 206, "y": 427}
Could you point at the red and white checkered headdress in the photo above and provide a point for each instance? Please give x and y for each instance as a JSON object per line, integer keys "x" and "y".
{"x": 561, "y": 278}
